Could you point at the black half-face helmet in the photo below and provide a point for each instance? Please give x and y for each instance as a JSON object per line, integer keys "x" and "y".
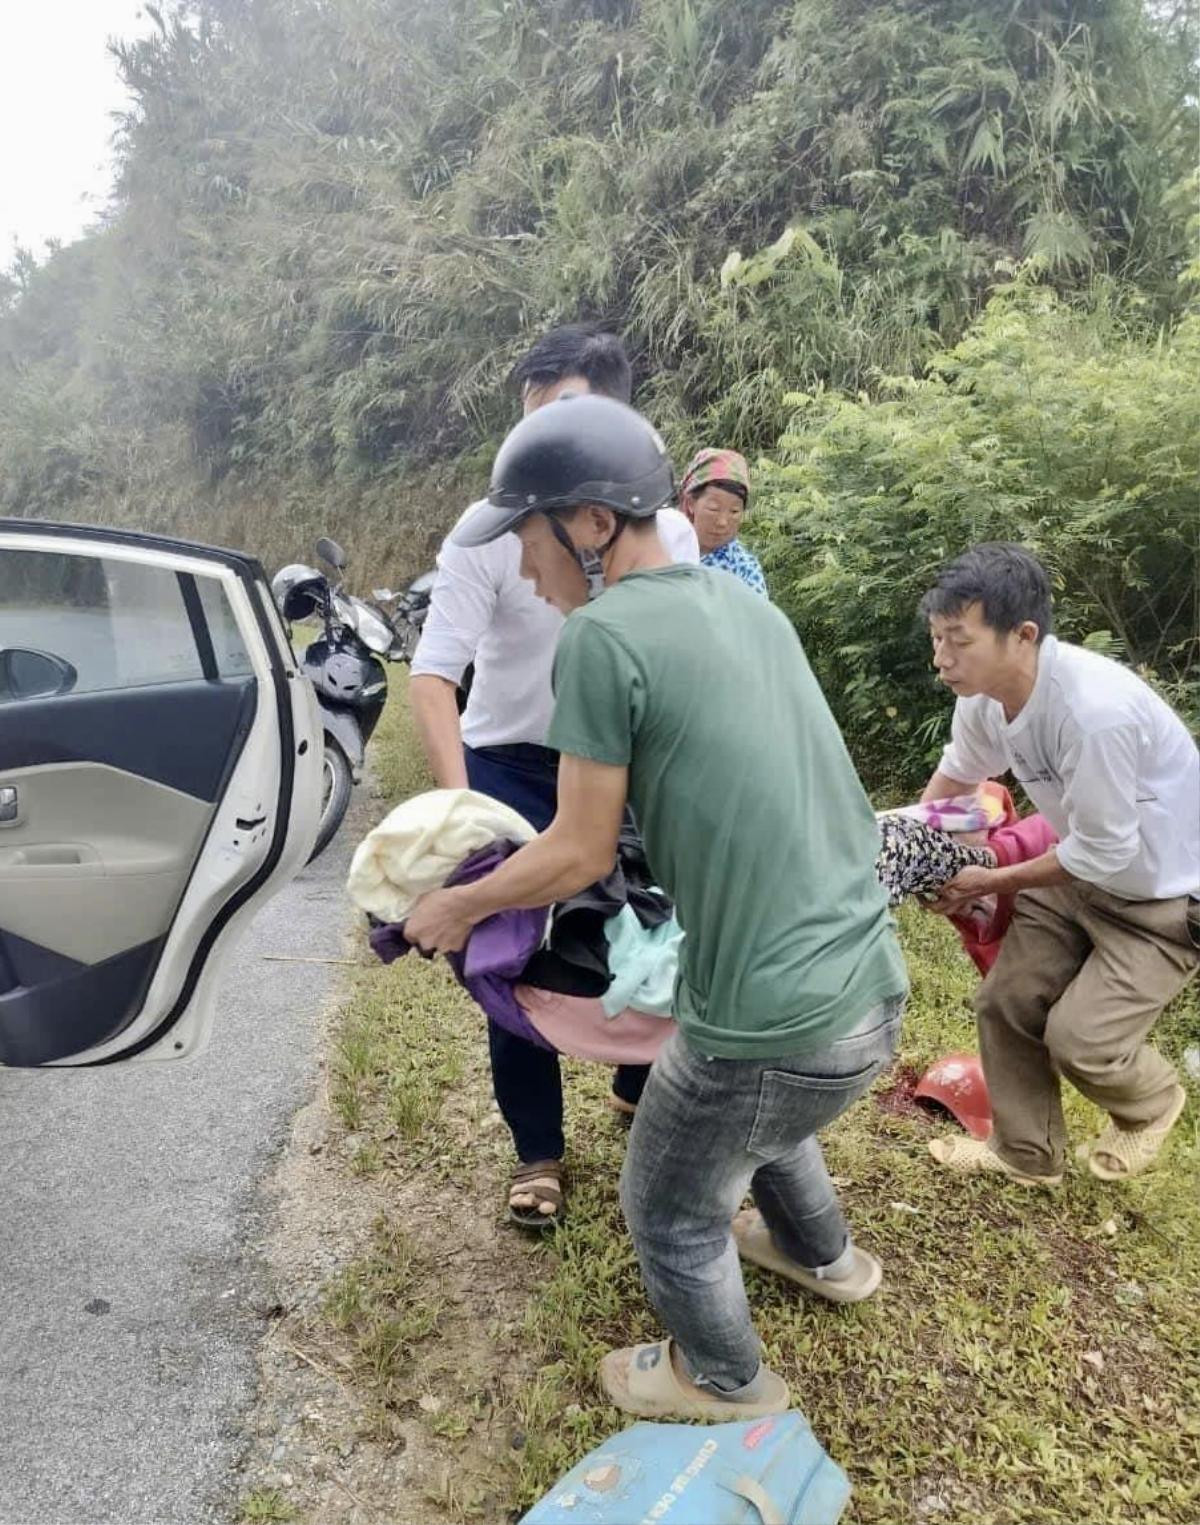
{"x": 577, "y": 450}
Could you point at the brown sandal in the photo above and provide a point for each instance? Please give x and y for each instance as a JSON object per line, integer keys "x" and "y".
{"x": 544, "y": 1181}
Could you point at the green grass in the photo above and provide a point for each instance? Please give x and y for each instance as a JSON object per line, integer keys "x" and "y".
{"x": 1031, "y": 1357}
{"x": 384, "y": 1307}
{"x": 265, "y": 1504}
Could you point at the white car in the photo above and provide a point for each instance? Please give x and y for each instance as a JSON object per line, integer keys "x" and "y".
{"x": 160, "y": 778}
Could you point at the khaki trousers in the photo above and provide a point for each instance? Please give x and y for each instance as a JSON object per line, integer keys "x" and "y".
{"x": 1081, "y": 979}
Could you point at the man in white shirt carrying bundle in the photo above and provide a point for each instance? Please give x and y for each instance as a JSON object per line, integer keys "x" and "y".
{"x": 483, "y": 611}
{"x": 1106, "y": 927}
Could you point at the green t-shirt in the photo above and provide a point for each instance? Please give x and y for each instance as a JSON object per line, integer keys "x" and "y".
{"x": 753, "y": 817}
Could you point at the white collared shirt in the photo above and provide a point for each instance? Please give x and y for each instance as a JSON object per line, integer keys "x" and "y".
{"x": 1106, "y": 761}
{"x": 483, "y": 611}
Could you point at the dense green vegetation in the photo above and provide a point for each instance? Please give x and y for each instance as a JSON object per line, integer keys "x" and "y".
{"x": 338, "y": 221}
{"x": 1062, "y": 428}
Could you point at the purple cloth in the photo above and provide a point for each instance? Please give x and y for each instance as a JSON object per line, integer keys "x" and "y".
{"x": 496, "y": 952}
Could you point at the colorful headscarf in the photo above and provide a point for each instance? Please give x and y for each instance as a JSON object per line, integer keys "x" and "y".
{"x": 724, "y": 468}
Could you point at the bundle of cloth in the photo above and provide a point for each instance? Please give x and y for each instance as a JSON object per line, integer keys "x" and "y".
{"x": 923, "y": 847}
{"x": 592, "y": 977}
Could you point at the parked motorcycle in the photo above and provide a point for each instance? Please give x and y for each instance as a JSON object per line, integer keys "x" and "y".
{"x": 408, "y": 611}
{"x": 344, "y": 664}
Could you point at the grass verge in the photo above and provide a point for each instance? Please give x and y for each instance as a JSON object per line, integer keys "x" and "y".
{"x": 265, "y": 1504}
{"x": 1031, "y": 1358}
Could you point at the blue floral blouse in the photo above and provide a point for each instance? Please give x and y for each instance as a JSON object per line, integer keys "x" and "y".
{"x": 735, "y": 558}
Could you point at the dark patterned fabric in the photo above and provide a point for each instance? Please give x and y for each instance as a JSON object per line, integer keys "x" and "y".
{"x": 915, "y": 859}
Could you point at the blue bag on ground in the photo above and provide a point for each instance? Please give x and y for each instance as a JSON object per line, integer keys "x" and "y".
{"x": 763, "y": 1472}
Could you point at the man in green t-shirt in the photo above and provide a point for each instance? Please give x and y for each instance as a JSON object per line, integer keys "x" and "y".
{"x": 680, "y": 691}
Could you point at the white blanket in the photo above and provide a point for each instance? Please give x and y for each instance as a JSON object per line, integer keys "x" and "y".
{"x": 418, "y": 846}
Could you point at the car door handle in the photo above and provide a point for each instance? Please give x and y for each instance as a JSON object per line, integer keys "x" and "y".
{"x": 48, "y": 857}
{"x": 10, "y": 805}
{"x": 55, "y": 860}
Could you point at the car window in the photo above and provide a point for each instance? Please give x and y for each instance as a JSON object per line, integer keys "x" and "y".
{"x": 233, "y": 660}
{"x": 120, "y": 624}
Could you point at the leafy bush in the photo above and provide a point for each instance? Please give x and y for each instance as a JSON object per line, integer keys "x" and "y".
{"x": 1061, "y": 426}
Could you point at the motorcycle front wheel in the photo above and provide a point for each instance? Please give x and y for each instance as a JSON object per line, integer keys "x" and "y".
{"x": 337, "y": 781}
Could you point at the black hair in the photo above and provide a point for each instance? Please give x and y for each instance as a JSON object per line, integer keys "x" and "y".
{"x": 736, "y": 488}
{"x": 578, "y": 349}
{"x": 1009, "y": 584}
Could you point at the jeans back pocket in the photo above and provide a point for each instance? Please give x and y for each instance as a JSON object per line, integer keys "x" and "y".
{"x": 793, "y": 1105}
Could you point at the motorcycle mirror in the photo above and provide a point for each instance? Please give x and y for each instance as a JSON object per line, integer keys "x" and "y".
{"x": 330, "y": 551}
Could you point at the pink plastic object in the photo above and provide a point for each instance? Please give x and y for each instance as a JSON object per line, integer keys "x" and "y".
{"x": 956, "y": 1082}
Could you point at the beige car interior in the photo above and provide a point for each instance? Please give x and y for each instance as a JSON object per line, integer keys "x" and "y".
{"x": 96, "y": 859}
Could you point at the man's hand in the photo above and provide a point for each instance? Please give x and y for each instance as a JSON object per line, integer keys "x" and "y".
{"x": 579, "y": 846}
{"x": 967, "y": 885}
{"x": 942, "y": 787}
{"x": 971, "y": 883}
{"x": 440, "y": 922}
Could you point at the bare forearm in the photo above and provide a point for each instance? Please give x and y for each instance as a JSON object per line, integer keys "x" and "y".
{"x": 553, "y": 867}
{"x": 970, "y": 884}
{"x": 435, "y": 709}
{"x": 1038, "y": 873}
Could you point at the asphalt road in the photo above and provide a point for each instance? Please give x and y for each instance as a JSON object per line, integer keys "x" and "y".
{"x": 130, "y": 1295}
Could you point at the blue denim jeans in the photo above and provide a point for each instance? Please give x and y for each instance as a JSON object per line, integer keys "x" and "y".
{"x": 706, "y": 1132}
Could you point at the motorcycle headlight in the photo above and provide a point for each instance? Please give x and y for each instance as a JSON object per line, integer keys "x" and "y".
{"x": 346, "y": 610}
{"x": 376, "y": 634}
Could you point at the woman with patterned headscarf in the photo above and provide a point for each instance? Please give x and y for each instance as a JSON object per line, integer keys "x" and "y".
{"x": 714, "y": 494}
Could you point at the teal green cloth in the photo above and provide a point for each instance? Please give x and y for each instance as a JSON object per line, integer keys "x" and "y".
{"x": 643, "y": 962}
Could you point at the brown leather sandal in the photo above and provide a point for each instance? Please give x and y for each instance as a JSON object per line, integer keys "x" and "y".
{"x": 625, "y": 1110}
{"x": 544, "y": 1182}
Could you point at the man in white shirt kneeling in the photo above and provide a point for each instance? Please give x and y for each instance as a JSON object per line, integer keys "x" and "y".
{"x": 1106, "y": 927}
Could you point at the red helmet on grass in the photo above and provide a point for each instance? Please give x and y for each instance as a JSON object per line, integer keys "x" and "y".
{"x": 956, "y": 1082}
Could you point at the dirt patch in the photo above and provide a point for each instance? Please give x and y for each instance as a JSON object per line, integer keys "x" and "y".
{"x": 897, "y": 1099}
{"x": 439, "y": 1447}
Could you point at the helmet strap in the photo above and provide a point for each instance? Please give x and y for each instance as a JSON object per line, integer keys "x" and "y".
{"x": 590, "y": 558}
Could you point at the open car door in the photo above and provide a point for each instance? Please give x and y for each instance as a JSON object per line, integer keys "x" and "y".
{"x": 160, "y": 778}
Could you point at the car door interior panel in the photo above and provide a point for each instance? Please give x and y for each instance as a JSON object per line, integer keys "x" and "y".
{"x": 177, "y": 734}
{"x": 161, "y": 778}
{"x": 81, "y": 1004}
{"x": 96, "y": 859}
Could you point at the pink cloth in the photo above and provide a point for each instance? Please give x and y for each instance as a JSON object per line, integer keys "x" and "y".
{"x": 1017, "y": 841}
{"x": 577, "y": 1026}
{"x": 1021, "y": 841}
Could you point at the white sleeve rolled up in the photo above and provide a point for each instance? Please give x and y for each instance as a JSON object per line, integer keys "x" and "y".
{"x": 460, "y": 611}
{"x": 973, "y": 753}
